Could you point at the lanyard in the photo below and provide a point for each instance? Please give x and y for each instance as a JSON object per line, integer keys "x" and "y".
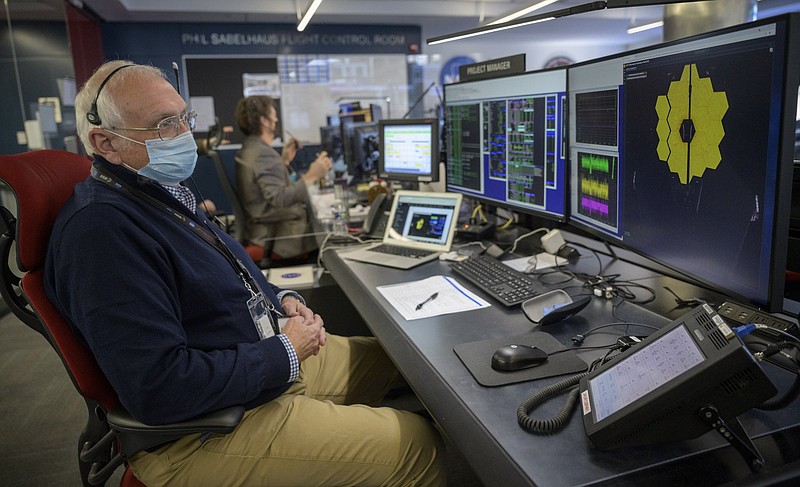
{"x": 203, "y": 232}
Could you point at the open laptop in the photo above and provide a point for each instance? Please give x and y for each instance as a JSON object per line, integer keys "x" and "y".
{"x": 421, "y": 226}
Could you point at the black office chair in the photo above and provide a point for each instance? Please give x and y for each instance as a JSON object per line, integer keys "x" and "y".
{"x": 260, "y": 255}
{"x": 41, "y": 183}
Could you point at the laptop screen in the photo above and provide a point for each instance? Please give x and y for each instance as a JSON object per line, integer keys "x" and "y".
{"x": 424, "y": 220}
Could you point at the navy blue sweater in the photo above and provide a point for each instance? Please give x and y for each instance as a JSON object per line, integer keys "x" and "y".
{"x": 163, "y": 311}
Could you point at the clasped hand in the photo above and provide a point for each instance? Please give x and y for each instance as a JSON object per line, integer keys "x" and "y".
{"x": 304, "y": 329}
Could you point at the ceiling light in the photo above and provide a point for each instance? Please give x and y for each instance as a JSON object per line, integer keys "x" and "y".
{"x": 578, "y": 9}
{"x": 309, "y": 13}
{"x": 642, "y": 28}
{"x": 483, "y": 30}
{"x": 533, "y": 19}
{"x": 524, "y": 11}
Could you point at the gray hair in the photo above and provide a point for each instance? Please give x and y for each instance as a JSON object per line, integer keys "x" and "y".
{"x": 107, "y": 109}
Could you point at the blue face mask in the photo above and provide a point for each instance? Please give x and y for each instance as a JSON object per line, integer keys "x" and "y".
{"x": 171, "y": 161}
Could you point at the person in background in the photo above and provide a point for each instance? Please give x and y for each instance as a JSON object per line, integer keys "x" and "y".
{"x": 274, "y": 203}
{"x": 129, "y": 264}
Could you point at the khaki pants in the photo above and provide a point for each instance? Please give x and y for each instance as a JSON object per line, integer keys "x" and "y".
{"x": 310, "y": 436}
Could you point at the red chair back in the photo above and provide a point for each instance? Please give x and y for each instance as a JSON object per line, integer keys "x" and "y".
{"x": 42, "y": 181}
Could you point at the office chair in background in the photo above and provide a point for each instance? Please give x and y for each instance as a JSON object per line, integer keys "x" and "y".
{"x": 41, "y": 182}
{"x": 259, "y": 254}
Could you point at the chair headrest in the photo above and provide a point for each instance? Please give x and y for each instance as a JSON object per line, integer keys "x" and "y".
{"x": 42, "y": 181}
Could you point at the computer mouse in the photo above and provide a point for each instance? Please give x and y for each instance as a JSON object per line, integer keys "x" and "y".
{"x": 517, "y": 357}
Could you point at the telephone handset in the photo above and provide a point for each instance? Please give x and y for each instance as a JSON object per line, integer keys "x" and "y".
{"x": 376, "y": 219}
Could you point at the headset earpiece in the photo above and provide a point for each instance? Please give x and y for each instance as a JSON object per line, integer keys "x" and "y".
{"x": 92, "y": 116}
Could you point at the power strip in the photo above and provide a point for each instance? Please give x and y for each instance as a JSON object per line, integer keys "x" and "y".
{"x": 737, "y": 314}
{"x": 744, "y": 315}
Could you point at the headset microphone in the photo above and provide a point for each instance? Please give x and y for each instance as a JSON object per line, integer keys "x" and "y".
{"x": 177, "y": 78}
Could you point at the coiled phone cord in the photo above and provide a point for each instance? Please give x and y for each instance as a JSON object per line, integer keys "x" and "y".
{"x": 556, "y": 423}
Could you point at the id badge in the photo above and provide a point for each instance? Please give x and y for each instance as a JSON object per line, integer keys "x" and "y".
{"x": 262, "y": 318}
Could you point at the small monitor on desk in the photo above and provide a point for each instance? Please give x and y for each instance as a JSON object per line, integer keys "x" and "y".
{"x": 656, "y": 391}
{"x": 409, "y": 150}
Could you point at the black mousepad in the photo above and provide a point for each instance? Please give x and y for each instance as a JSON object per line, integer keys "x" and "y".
{"x": 477, "y": 356}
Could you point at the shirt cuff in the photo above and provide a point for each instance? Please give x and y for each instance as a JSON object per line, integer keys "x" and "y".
{"x": 294, "y": 294}
{"x": 294, "y": 363}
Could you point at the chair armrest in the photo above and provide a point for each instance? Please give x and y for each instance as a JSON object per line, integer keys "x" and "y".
{"x": 135, "y": 436}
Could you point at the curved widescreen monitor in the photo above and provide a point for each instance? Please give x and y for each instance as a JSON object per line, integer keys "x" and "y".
{"x": 409, "y": 150}
{"x": 506, "y": 141}
{"x": 682, "y": 152}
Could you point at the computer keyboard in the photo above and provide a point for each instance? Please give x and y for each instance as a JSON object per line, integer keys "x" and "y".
{"x": 404, "y": 251}
{"x": 499, "y": 281}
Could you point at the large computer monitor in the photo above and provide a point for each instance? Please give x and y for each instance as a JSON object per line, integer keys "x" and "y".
{"x": 506, "y": 141}
{"x": 409, "y": 150}
{"x": 682, "y": 152}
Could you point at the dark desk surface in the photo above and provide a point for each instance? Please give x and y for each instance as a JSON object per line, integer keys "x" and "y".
{"x": 482, "y": 422}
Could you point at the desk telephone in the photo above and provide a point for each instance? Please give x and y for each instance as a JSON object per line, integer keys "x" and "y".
{"x": 377, "y": 218}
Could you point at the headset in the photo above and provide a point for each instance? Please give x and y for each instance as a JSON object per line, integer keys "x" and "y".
{"x": 92, "y": 116}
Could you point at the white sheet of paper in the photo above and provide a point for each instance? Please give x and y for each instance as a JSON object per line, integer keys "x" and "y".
{"x": 451, "y": 297}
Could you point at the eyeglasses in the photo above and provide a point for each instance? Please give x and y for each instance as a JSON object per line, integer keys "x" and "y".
{"x": 170, "y": 127}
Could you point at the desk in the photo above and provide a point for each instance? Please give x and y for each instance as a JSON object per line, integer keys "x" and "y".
{"x": 482, "y": 422}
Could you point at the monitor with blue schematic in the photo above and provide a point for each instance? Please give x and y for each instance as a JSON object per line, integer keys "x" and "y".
{"x": 682, "y": 154}
{"x": 409, "y": 150}
{"x": 506, "y": 141}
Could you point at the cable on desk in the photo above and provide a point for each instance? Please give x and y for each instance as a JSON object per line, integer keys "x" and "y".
{"x": 469, "y": 244}
{"x": 685, "y": 303}
{"x": 507, "y": 224}
{"x": 478, "y": 210}
{"x": 554, "y": 424}
{"x": 793, "y": 393}
{"x": 761, "y": 326}
{"x": 579, "y": 338}
{"x": 559, "y": 268}
{"x": 526, "y": 235}
{"x": 606, "y": 286}
{"x": 325, "y": 246}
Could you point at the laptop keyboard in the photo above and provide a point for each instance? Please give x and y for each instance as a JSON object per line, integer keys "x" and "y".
{"x": 403, "y": 251}
{"x": 499, "y": 281}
